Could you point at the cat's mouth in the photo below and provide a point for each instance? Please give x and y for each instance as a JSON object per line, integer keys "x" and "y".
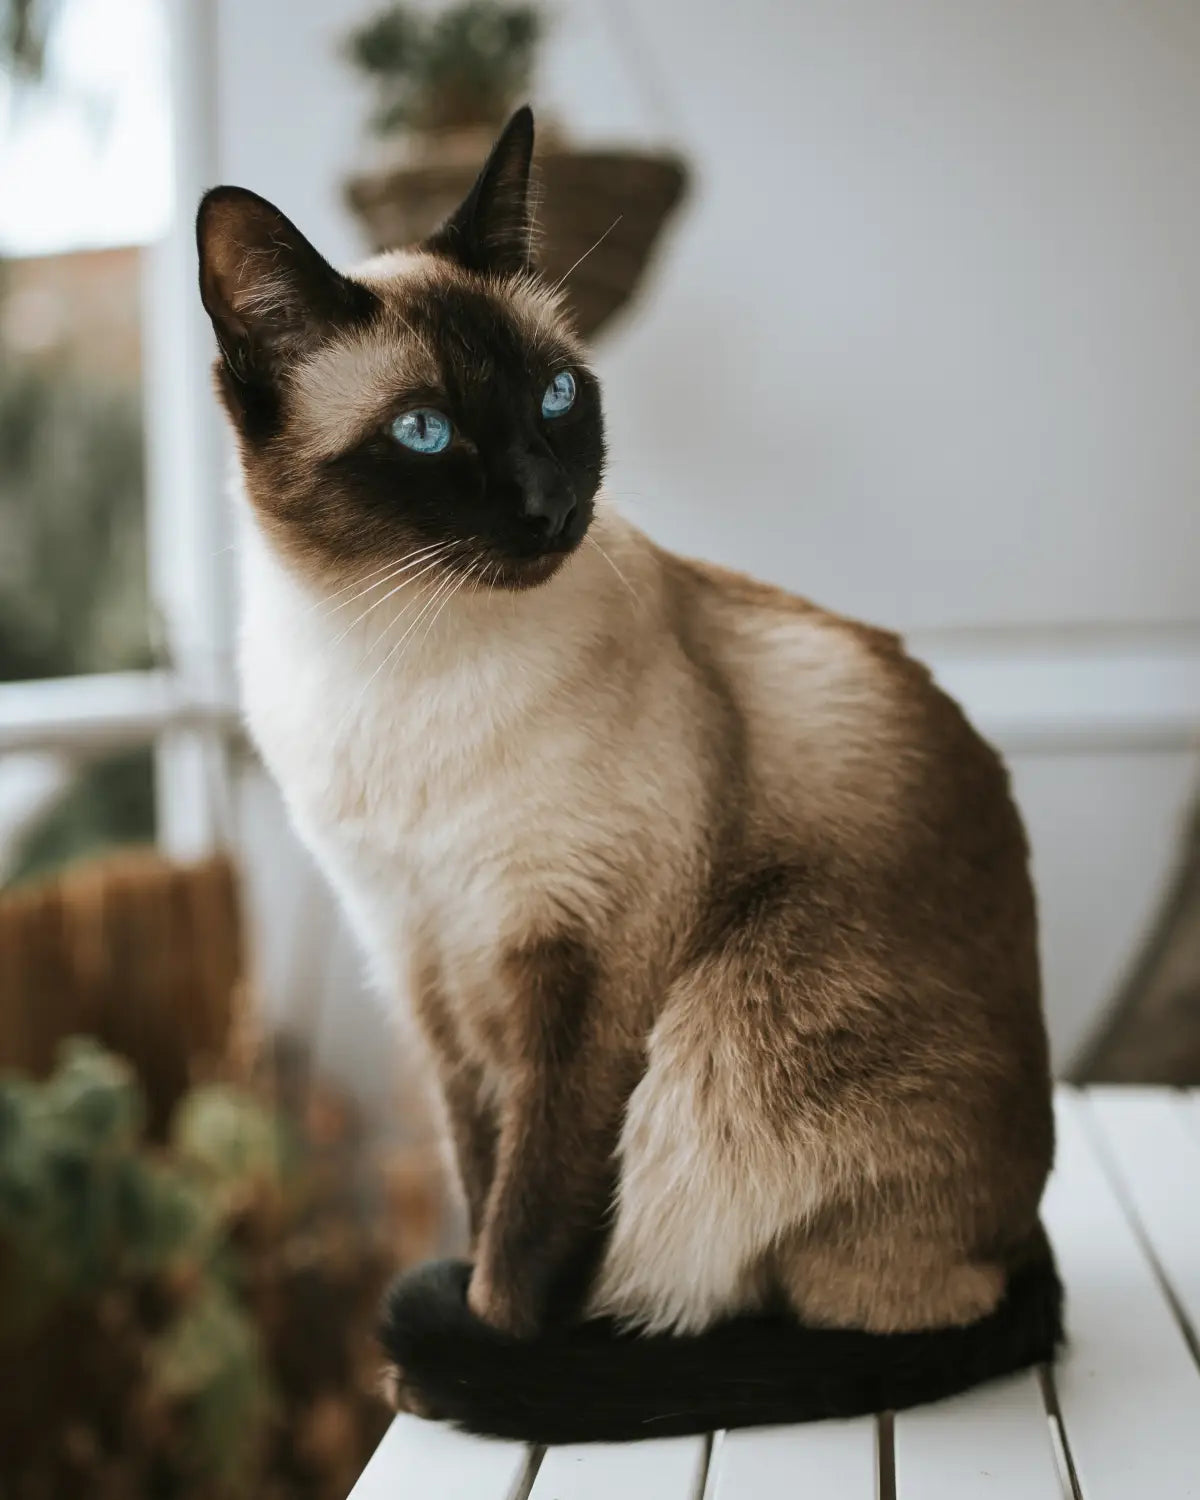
{"x": 518, "y": 573}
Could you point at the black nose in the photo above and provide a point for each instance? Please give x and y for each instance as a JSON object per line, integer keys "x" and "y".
{"x": 547, "y": 498}
{"x": 551, "y": 511}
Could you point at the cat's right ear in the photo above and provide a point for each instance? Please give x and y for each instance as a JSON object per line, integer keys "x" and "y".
{"x": 490, "y": 229}
{"x": 270, "y": 294}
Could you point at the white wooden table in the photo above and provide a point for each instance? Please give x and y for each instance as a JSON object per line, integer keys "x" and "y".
{"x": 1118, "y": 1418}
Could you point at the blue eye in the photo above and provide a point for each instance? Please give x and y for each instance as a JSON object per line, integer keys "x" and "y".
{"x": 423, "y": 430}
{"x": 559, "y": 395}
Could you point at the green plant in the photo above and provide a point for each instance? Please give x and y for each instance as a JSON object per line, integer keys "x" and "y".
{"x": 185, "y": 1319}
{"x": 88, "y": 1215}
{"x": 24, "y": 30}
{"x": 73, "y": 593}
{"x": 466, "y": 66}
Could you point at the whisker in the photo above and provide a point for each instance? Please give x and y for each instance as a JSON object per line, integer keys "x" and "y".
{"x": 587, "y": 252}
{"x": 429, "y": 594}
{"x": 443, "y": 590}
{"x": 464, "y": 579}
{"x": 392, "y": 626}
{"x": 587, "y": 536}
{"x": 387, "y": 578}
{"x": 442, "y": 585}
{"x": 408, "y": 328}
{"x": 430, "y": 565}
{"x": 346, "y": 587}
{"x": 394, "y": 572}
{"x": 378, "y": 603}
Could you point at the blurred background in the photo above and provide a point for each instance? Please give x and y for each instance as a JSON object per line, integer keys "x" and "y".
{"x": 897, "y": 306}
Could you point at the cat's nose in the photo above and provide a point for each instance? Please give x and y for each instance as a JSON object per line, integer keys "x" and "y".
{"x": 547, "y": 498}
{"x": 551, "y": 510}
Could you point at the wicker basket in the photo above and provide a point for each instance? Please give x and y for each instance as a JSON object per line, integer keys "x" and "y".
{"x": 143, "y": 954}
{"x": 621, "y": 199}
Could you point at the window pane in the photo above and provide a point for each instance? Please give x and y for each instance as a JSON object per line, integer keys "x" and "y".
{"x": 72, "y": 510}
{"x": 83, "y": 186}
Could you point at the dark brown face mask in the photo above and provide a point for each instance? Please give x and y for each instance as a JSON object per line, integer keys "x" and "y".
{"x": 496, "y": 453}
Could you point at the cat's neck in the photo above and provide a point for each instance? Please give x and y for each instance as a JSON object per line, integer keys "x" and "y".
{"x": 412, "y": 622}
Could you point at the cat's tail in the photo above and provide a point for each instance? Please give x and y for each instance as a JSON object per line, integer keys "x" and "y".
{"x": 594, "y": 1382}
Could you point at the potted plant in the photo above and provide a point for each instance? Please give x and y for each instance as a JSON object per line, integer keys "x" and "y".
{"x": 196, "y": 1225}
{"x": 445, "y": 84}
{"x": 24, "y": 28}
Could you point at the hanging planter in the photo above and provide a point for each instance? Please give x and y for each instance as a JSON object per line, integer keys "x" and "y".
{"x": 448, "y": 84}
{"x": 600, "y": 216}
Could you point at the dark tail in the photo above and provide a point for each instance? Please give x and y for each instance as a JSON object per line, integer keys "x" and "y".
{"x": 595, "y": 1383}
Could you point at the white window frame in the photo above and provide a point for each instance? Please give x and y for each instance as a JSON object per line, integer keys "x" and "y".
{"x": 188, "y": 710}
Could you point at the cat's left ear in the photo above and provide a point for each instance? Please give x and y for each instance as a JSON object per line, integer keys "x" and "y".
{"x": 490, "y": 229}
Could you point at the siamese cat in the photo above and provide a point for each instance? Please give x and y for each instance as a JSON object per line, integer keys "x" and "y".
{"x": 714, "y": 912}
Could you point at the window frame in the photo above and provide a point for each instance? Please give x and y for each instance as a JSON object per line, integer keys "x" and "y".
{"x": 188, "y": 709}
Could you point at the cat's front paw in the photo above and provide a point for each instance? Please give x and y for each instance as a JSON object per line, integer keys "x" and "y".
{"x": 499, "y": 1307}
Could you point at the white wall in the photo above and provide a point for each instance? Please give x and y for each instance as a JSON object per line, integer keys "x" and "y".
{"x": 926, "y": 344}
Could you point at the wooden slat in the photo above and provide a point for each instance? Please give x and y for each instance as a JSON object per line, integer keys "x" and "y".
{"x": 1128, "y": 1389}
{"x": 988, "y": 1444}
{"x": 426, "y": 1461}
{"x": 1155, "y": 1151}
{"x": 835, "y": 1459}
{"x": 666, "y": 1469}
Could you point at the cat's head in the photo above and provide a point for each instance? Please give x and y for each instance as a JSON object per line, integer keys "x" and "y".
{"x": 434, "y": 404}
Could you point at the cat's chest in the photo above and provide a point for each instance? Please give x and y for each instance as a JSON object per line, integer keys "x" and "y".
{"x": 454, "y": 801}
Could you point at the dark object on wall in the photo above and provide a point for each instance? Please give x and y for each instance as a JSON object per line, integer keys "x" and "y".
{"x": 599, "y": 219}
{"x": 1152, "y": 1033}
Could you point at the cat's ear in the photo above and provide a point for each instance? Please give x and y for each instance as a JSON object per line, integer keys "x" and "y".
{"x": 269, "y": 293}
{"x": 490, "y": 230}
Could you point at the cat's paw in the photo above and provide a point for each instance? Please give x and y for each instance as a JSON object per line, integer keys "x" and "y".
{"x": 501, "y": 1308}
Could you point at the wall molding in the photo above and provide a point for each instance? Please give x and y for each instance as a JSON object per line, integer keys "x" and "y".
{"x": 1102, "y": 689}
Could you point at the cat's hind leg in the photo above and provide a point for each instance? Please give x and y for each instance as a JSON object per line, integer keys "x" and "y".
{"x": 888, "y": 1279}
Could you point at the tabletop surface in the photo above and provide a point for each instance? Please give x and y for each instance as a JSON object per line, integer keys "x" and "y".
{"x": 1117, "y": 1418}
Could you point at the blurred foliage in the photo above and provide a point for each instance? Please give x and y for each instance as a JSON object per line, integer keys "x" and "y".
{"x": 465, "y": 66}
{"x": 73, "y": 594}
{"x": 73, "y": 587}
{"x": 191, "y": 1323}
{"x": 24, "y": 31}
